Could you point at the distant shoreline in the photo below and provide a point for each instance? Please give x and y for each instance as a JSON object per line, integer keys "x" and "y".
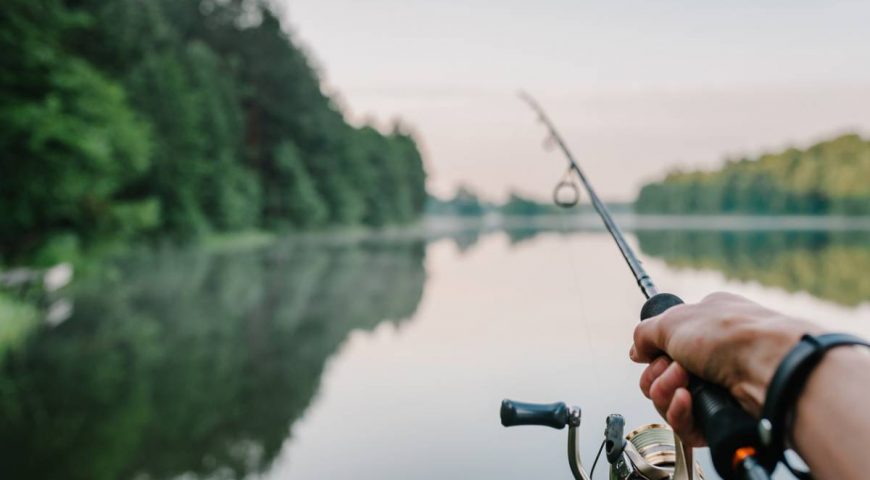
{"x": 633, "y": 222}
{"x": 432, "y": 227}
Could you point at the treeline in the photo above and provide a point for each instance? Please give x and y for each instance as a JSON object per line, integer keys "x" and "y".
{"x": 828, "y": 178}
{"x": 133, "y": 118}
{"x": 464, "y": 203}
{"x": 467, "y": 203}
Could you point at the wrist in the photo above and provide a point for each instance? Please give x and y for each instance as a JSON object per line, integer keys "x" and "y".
{"x": 827, "y": 427}
{"x": 809, "y": 358}
{"x": 768, "y": 349}
{"x": 823, "y": 387}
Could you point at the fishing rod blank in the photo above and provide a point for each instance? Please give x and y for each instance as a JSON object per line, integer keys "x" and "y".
{"x": 643, "y": 280}
{"x": 730, "y": 431}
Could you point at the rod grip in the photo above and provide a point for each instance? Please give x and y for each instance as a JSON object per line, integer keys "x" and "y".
{"x": 553, "y": 415}
{"x": 724, "y": 424}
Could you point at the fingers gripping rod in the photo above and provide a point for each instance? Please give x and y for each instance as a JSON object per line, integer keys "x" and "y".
{"x": 730, "y": 432}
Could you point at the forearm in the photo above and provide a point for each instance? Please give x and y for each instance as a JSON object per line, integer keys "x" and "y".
{"x": 832, "y": 422}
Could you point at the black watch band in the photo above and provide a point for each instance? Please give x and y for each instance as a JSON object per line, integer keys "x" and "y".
{"x": 787, "y": 384}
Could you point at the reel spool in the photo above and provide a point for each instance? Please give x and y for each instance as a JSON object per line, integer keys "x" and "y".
{"x": 655, "y": 443}
{"x": 650, "y": 453}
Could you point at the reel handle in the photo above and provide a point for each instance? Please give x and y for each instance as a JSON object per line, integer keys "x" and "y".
{"x": 554, "y": 415}
{"x": 725, "y": 425}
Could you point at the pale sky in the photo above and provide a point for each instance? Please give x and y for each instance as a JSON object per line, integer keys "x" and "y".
{"x": 637, "y": 87}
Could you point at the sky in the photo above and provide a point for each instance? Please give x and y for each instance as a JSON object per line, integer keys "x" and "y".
{"x": 638, "y": 88}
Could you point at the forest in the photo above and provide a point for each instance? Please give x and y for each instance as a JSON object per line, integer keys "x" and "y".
{"x": 829, "y": 178}
{"x": 138, "y": 119}
{"x": 466, "y": 202}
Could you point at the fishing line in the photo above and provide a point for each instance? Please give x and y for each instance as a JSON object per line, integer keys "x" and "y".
{"x": 645, "y": 283}
{"x": 568, "y": 185}
{"x": 597, "y": 456}
{"x": 730, "y": 431}
{"x": 575, "y": 269}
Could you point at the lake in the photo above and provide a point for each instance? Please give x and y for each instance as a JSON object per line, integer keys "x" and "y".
{"x": 378, "y": 357}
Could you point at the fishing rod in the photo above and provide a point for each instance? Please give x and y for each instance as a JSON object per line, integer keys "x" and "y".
{"x": 643, "y": 279}
{"x": 651, "y": 452}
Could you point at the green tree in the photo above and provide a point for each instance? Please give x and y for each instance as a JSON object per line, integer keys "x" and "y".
{"x": 827, "y": 178}
{"x": 180, "y": 117}
{"x": 296, "y": 199}
{"x": 71, "y": 144}
{"x": 519, "y": 205}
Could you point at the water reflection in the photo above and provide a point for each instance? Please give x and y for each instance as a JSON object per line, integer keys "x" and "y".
{"x": 182, "y": 362}
{"x": 828, "y": 265}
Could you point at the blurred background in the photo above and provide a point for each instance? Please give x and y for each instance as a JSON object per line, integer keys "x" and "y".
{"x": 311, "y": 239}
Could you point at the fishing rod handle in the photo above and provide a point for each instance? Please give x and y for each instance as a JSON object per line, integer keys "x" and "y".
{"x": 729, "y": 430}
{"x": 555, "y": 415}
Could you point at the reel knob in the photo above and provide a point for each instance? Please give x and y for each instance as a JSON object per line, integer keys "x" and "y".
{"x": 553, "y": 415}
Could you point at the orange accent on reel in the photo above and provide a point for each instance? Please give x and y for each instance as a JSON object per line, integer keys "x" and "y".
{"x": 741, "y": 454}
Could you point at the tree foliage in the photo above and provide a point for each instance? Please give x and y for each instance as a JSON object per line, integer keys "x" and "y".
{"x": 520, "y": 205}
{"x": 827, "y": 178}
{"x": 465, "y": 203}
{"x": 180, "y": 117}
{"x": 70, "y": 142}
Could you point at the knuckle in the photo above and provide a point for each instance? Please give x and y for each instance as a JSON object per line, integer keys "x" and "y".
{"x": 681, "y": 376}
{"x": 637, "y": 332}
{"x": 673, "y": 312}
{"x": 717, "y": 297}
{"x": 640, "y": 332}
{"x": 673, "y": 317}
{"x": 644, "y": 384}
{"x": 655, "y": 391}
{"x": 732, "y": 324}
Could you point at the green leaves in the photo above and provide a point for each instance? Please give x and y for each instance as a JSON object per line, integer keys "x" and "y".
{"x": 70, "y": 141}
{"x": 135, "y": 118}
{"x": 827, "y": 178}
{"x": 295, "y": 200}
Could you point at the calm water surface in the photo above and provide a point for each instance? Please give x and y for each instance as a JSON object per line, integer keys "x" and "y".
{"x": 375, "y": 359}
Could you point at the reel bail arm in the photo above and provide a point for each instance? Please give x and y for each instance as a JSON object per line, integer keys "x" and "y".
{"x": 553, "y": 415}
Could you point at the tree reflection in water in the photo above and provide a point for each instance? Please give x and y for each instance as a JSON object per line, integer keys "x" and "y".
{"x": 196, "y": 364}
{"x": 828, "y": 265}
{"x": 191, "y": 363}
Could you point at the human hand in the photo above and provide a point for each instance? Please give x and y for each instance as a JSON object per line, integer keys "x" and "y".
{"x": 725, "y": 339}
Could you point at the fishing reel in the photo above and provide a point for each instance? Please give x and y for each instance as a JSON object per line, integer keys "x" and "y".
{"x": 651, "y": 452}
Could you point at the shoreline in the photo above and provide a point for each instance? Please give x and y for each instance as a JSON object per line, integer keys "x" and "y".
{"x": 434, "y": 227}
{"x": 645, "y": 222}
